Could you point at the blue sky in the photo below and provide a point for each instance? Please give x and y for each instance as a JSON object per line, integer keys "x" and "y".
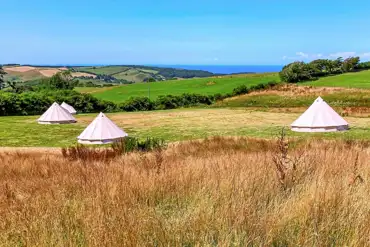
{"x": 223, "y": 32}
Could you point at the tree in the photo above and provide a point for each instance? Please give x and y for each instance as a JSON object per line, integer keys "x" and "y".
{"x": 2, "y": 73}
{"x": 296, "y": 72}
{"x": 150, "y": 79}
{"x": 61, "y": 80}
{"x": 350, "y": 64}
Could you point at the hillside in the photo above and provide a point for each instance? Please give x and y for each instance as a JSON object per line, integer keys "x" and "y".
{"x": 348, "y": 80}
{"x": 31, "y": 73}
{"x": 102, "y": 74}
{"x": 136, "y": 73}
{"x": 204, "y": 86}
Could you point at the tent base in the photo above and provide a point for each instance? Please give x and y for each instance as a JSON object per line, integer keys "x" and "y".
{"x": 99, "y": 142}
{"x": 67, "y": 122}
{"x": 320, "y": 129}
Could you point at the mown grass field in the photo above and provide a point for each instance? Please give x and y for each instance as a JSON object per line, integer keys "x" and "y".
{"x": 204, "y": 86}
{"x": 348, "y": 80}
{"x": 172, "y": 125}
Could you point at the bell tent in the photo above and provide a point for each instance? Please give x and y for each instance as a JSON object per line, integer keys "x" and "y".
{"x": 101, "y": 131}
{"x": 319, "y": 117}
{"x": 56, "y": 115}
{"x": 69, "y": 108}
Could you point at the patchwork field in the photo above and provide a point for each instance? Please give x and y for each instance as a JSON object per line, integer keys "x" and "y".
{"x": 173, "y": 125}
{"x": 204, "y": 86}
{"x": 27, "y": 73}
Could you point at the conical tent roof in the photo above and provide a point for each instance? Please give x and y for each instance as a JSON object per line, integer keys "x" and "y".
{"x": 101, "y": 131}
{"x": 319, "y": 117}
{"x": 69, "y": 108}
{"x": 56, "y": 115}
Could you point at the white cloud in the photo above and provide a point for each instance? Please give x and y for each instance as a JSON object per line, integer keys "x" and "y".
{"x": 345, "y": 54}
{"x": 215, "y": 59}
{"x": 299, "y": 56}
{"x": 366, "y": 54}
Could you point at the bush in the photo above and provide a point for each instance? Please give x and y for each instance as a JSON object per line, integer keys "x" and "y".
{"x": 242, "y": 89}
{"x": 184, "y": 100}
{"x": 35, "y": 103}
{"x": 137, "y": 104}
{"x": 131, "y": 144}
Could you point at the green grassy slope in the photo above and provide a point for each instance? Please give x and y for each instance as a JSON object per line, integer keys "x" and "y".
{"x": 349, "y": 80}
{"x": 204, "y": 86}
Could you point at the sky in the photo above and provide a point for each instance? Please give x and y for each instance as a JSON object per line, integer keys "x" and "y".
{"x": 191, "y": 32}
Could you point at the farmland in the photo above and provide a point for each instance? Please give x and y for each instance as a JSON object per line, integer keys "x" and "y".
{"x": 204, "y": 86}
{"x": 108, "y": 74}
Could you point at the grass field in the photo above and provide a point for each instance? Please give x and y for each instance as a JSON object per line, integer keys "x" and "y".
{"x": 348, "y": 80}
{"x": 220, "y": 192}
{"x": 204, "y": 86}
{"x": 173, "y": 125}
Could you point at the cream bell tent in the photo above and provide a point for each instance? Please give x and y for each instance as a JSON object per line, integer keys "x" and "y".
{"x": 69, "y": 108}
{"x": 101, "y": 131}
{"x": 319, "y": 117}
{"x": 56, "y": 115}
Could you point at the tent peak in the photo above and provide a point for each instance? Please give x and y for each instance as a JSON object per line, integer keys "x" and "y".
{"x": 319, "y": 99}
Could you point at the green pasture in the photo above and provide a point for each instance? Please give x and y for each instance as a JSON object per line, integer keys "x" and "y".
{"x": 172, "y": 125}
{"x": 203, "y": 86}
{"x": 347, "y": 80}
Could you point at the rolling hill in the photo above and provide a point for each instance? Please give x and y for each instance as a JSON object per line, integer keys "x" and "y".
{"x": 136, "y": 73}
{"x": 31, "y": 73}
{"x": 116, "y": 74}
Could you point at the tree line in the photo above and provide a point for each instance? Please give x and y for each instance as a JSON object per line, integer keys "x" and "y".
{"x": 301, "y": 71}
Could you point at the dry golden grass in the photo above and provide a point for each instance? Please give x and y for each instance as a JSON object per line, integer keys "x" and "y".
{"x": 293, "y": 90}
{"x": 217, "y": 192}
{"x": 79, "y": 74}
{"x": 29, "y": 71}
{"x": 19, "y": 68}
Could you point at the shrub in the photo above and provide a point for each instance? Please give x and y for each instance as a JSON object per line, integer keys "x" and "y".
{"x": 137, "y": 104}
{"x": 131, "y": 144}
{"x": 34, "y": 103}
{"x": 184, "y": 100}
{"x": 242, "y": 89}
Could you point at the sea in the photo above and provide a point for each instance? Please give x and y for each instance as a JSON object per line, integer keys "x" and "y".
{"x": 229, "y": 69}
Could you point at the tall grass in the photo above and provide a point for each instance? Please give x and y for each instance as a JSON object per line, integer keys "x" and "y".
{"x": 216, "y": 192}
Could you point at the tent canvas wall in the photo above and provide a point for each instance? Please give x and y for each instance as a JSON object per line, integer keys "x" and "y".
{"x": 69, "y": 108}
{"x": 319, "y": 117}
{"x": 101, "y": 131}
{"x": 56, "y": 115}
